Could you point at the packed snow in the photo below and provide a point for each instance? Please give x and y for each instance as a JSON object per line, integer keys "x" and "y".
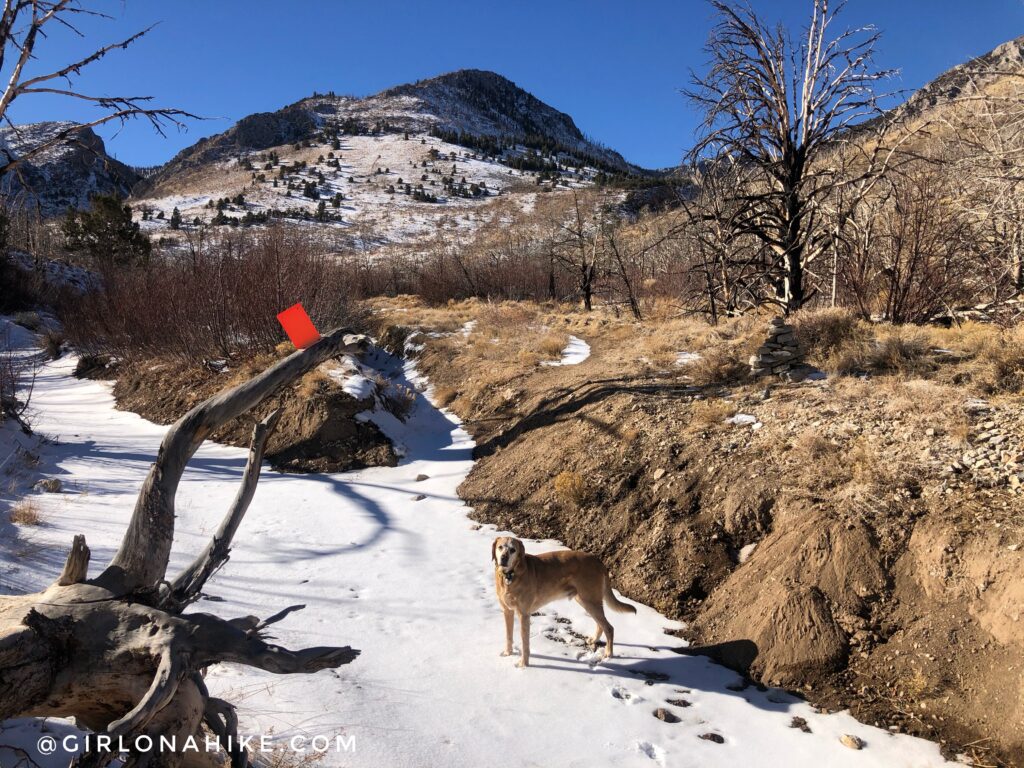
{"x": 575, "y": 352}
{"x": 391, "y": 564}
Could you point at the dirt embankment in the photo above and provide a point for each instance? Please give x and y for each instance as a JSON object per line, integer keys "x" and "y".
{"x": 317, "y": 431}
{"x": 846, "y": 540}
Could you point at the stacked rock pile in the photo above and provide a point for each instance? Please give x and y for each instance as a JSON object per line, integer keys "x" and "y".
{"x": 780, "y": 351}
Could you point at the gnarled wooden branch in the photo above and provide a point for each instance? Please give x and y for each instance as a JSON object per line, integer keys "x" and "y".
{"x": 141, "y": 561}
{"x": 187, "y": 587}
{"x": 76, "y": 567}
{"x": 58, "y": 647}
{"x": 173, "y": 666}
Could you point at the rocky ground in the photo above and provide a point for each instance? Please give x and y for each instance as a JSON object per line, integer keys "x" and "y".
{"x": 856, "y": 537}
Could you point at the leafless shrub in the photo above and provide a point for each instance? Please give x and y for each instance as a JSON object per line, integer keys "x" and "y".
{"x": 25, "y": 512}
{"x": 51, "y": 340}
{"x": 572, "y": 489}
{"x": 222, "y": 299}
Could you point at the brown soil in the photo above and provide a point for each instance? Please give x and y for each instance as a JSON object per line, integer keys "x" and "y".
{"x": 881, "y": 580}
{"x": 317, "y": 431}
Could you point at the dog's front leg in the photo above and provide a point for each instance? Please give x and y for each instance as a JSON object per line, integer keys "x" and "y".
{"x": 510, "y": 620}
{"x": 524, "y": 638}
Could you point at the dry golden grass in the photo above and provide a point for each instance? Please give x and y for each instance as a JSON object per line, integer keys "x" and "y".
{"x": 50, "y": 342}
{"x": 30, "y": 320}
{"x": 916, "y": 685}
{"x": 25, "y": 512}
{"x": 891, "y": 350}
{"x": 722, "y": 364}
{"x": 551, "y": 346}
{"x": 822, "y": 332}
{"x": 572, "y": 489}
{"x": 313, "y": 382}
{"x": 999, "y": 365}
{"x": 444, "y": 395}
{"x": 398, "y": 399}
{"x": 705, "y": 414}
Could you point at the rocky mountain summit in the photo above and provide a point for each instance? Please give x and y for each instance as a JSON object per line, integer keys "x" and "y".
{"x": 468, "y": 105}
{"x": 66, "y": 175}
{"x": 983, "y": 72}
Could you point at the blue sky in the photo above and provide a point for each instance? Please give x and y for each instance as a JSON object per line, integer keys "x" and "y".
{"x": 616, "y": 67}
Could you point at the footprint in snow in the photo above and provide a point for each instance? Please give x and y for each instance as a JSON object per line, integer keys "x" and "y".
{"x": 591, "y": 658}
{"x": 618, "y": 692}
{"x": 666, "y": 715}
{"x": 653, "y": 751}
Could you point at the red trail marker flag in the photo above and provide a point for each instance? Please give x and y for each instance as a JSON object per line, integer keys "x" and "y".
{"x": 298, "y": 326}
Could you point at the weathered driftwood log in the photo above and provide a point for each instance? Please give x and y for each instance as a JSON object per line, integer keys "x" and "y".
{"x": 117, "y": 652}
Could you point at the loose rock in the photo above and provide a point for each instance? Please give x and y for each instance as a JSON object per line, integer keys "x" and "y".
{"x": 853, "y": 742}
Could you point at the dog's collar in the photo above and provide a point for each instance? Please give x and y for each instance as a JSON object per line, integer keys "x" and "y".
{"x": 508, "y": 574}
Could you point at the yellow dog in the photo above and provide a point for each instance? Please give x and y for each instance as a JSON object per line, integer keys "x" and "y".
{"x": 525, "y": 583}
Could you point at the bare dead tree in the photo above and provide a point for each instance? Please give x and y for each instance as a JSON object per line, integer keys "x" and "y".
{"x": 733, "y": 272}
{"x": 629, "y": 250}
{"x": 783, "y": 110}
{"x": 116, "y": 651}
{"x": 23, "y": 24}
{"x": 985, "y": 143}
{"x": 577, "y": 249}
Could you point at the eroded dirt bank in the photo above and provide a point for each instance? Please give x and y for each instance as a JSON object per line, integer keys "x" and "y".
{"x": 835, "y": 537}
{"x": 318, "y": 430}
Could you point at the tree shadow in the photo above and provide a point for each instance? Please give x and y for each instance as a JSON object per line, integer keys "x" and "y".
{"x": 565, "y": 403}
{"x": 672, "y": 676}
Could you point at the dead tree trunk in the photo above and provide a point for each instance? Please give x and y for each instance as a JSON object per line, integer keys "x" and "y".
{"x": 116, "y": 652}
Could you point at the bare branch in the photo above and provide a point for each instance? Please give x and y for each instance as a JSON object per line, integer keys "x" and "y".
{"x": 141, "y": 560}
{"x": 189, "y": 584}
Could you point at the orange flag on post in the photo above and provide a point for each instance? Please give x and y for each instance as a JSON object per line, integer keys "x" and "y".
{"x": 298, "y": 326}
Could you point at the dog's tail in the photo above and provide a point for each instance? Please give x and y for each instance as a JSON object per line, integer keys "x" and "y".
{"x": 613, "y": 602}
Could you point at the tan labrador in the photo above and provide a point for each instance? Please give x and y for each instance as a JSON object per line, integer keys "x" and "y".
{"x": 525, "y": 583}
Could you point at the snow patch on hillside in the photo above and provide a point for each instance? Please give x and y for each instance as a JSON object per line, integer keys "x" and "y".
{"x": 575, "y": 352}
{"x": 372, "y": 177}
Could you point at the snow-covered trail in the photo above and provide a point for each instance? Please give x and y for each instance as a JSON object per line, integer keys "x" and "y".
{"x": 408, "y": 580}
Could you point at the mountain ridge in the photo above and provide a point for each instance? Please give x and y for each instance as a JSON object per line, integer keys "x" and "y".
{"x": 66, "y": 175}
{"x": 472, "y": 103}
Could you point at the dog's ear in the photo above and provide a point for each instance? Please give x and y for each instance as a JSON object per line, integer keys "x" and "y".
{"x": 520, "y": 549}
{"x": 494, "y": 546}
